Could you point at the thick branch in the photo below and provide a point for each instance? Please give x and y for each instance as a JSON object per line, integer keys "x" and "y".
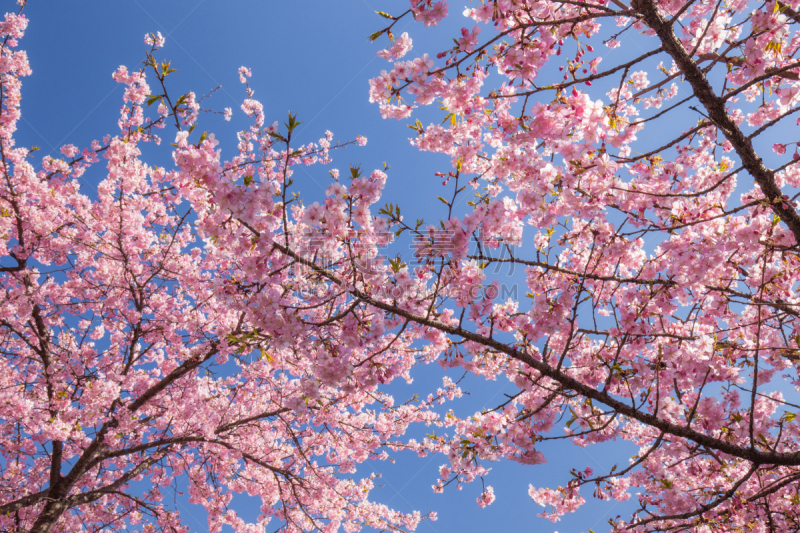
{"x": 715, "y": 106}
{"x": 568, "y": 382}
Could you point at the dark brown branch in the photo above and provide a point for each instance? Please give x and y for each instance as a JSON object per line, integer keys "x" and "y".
{"x": 568, "y": 382}
{"x": 715, "y": 107}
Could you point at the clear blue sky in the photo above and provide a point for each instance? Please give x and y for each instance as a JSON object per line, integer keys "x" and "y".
{"x": 312, "y": 58}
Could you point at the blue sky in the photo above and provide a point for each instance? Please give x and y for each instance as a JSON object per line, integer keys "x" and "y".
{"x": 311, "y": 58}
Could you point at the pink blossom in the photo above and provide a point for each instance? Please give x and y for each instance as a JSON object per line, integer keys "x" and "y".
{"x": 487, "y": 497}
{"x": 69, "y": 150}
{"x": 154, "y": 40}
{"x": 201, "y": 320}
{"x": 254, "y": 108}
{"x": 401, "y": 46}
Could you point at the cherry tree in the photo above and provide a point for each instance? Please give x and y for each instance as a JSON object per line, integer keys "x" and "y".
{"x": 202, "y": 325}
{"x": 150, "y": 328}
{"x": 660, "y": 247}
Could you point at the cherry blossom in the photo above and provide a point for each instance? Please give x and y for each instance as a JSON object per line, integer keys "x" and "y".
{"x": 156, "y": 40}
{"x": 659, "y": 248}
{"x": 201, "y": 322}
{"x": 401, "y": 46}
{"x": 145, "y": 341}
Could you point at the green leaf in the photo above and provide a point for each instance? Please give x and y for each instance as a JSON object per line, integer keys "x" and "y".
{"x": 248, "y": 179}
{"x": 292, "y": 124}
{"x": 372, "y": 38}
{"x": 396, "y": 264}
{"x": 386, "y": 15}
{"x": 165, "y": 69}
{"x": 418, "y": 126}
